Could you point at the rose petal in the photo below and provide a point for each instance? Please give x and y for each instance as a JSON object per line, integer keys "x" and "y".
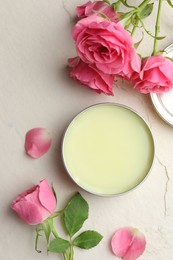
{"x": 98, "y": 7}
{"x": 37, "y": 142}
{"x": 28, "y": 212}
{"x": 23, "y": 194}
{"x": 128, "y": 243}
{"x": 89, "y": 75}
{"x": 107, "y": 45}
{"x": 46, "y": 196}
{"x": 156, "y": 75}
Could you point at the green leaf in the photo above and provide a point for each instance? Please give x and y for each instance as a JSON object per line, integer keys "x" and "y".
{"x": 87, "y": 239}
{"x": 75, "y": 214}
{"x": 145, "y": 12}
{"x": 47, "y": 228}
{"x": 58, "y": 245}
{"x": 170, "y": 3}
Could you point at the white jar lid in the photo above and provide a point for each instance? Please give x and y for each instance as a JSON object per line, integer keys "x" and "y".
{"x": 163, "y": 102}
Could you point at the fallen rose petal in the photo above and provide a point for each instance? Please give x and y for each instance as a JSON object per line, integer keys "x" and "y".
{"x": 128, "y": 243}
{"x": 37, "y": 142}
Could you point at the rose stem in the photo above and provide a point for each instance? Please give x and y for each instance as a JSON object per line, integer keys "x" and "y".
{"x": 157, "y": 27}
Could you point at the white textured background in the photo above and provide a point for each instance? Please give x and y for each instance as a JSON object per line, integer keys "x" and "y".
{"x": 36, "y": 91}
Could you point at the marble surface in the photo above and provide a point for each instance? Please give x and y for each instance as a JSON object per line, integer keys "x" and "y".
{"x": 36, "y": 91}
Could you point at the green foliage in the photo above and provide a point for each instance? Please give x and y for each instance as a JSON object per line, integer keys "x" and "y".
{"x": 87, "y": 239}
{"x": 75, "y": 214}
{"x": 146, "y": 11}
{"x": 46, "y": 227}
{"x": 58, "y": 245}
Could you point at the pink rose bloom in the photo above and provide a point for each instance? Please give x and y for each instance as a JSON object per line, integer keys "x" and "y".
{"x": 107, "y": 45}
{"x": 89, "y": 75}
{"x": 101, "y": 7}
{"x": 36, "y": 204}
{"x": 156, "y": 75}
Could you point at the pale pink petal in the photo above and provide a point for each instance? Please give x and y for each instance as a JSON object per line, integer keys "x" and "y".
{"x": 46, "y": 196}
{"x": 23, "y": 194}
{"x": 28, "y": 212}
{"x": 135, "y": 61}
{"x": 167, "y": 69}
{"x": 37, "y": 142}
{"x": 137, "y": 248}
{"x": 34, "y": 199}
{"x": 153, "y": 62}
{"x": 121, "y": 241}
{"x": 128, "y": 243}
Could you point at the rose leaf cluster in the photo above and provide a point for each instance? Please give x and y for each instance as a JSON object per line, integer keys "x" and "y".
{"x": 36, "y": 206}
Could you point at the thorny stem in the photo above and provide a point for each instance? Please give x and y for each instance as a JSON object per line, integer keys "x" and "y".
{"x": 157, "y": 27}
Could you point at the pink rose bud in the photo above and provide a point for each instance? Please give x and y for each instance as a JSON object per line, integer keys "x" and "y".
{"x": 97, "y": 7}
{"x": 37, "y": 142}
{"x": 128, "y": 243}
{"x": 36, "y": 204}
{"x": 156, "y": 75}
